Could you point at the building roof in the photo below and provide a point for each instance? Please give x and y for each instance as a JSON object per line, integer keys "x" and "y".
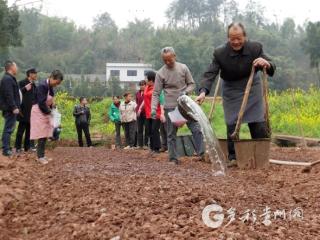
{"x": 134, "y": 65}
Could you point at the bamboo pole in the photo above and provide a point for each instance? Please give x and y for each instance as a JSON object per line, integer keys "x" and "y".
{"x": 214, "y": 100}
{"x": 290, "y": 163}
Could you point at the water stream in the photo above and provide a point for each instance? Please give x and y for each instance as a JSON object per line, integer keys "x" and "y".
{"x": 213, "y": 149}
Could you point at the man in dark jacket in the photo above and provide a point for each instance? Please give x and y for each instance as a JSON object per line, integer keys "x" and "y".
{"x": 82, "y": 119}
{"x": 10, "y": 100}
{"x": 234, "y": 61}
{"x": 28, "y": 89}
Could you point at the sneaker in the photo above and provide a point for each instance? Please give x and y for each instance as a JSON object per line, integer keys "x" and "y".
{"x": 127, "y": 148}
{"x": 145, "y": 148}
{"x": 43, "y": 161}
{"x": 48, "y": 159}
{"x": 232, "y": 163}
{"x": 8, "y": 153}
{"x": 33, "y": 149}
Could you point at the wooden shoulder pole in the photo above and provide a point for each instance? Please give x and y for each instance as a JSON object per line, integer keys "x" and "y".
{"x": 235, "y": 135}
{"x": 266, "y": 101}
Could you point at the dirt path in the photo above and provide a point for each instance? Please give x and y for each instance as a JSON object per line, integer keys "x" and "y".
{"x": 100, "y": 194}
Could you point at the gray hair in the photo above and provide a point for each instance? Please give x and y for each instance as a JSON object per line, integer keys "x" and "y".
{"x": 168, "y": 50}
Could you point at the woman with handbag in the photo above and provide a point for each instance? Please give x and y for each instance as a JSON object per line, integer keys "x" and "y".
{"x": 41, "y": 113}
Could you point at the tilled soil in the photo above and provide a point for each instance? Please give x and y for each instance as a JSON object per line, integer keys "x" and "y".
{"x": 103, "y": 194}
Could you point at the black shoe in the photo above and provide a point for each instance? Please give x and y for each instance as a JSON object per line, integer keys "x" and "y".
{"x": 232, "y": 163}
{"x": 19, "y": 151}
{"x": 153, "y": 153}
{"x": 7, "y": 153}
{"x": 175, "y": 161}
{"x": 163, "y": 149}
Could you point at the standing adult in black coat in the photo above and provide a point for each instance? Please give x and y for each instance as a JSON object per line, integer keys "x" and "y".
{"x": 234, "y": 61}
{"x": 82, "y": 116}
{"x": 10, "y": 101}
{"x": 28, "y": 89}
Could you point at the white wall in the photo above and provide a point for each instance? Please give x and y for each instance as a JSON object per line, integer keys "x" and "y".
{"x": 123, "y": 73}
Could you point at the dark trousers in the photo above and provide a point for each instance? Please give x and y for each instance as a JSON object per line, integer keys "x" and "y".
{"x": 41, "y": 147}
{"x": 164, "y": 136}
{"x": 23, "y": 128}
{"x": 85, "y": 128}
{"x": 197, "y": 136}
{"x": 257, "y": 130}
{"x": 9, "y": 124}
{"x": 141, "y": 131}
{"x": 129, "y": 132}
{"x": 118, "y": 133}
{"x": 154, "y": 134}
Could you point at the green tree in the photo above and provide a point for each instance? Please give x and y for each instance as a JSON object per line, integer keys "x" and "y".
{"x": 104, "y": 40}
{"x": 193, "y": 13}
{"x": 134, "y": 40}
{"x": 113, "y": 87}
{"x": 98, "y": 89}
{"x": 288, "y": 29}
{"x": 311, "y": 46}
{"x": 9, "y": 29}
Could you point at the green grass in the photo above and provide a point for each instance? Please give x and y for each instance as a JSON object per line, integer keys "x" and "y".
{"x": 100, "y": 124}
{"x": 284, "y": 118}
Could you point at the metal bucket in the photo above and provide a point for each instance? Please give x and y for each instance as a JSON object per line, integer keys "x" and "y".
{"x": 186, "y": 147}
{"x": 224, "y": 147}
{"x": 253, "y": 153}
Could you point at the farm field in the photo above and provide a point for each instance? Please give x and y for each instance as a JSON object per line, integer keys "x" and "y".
{"x": 103, "y": 194}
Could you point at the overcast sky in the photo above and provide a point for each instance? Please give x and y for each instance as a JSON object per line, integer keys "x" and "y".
{"x": 82, "y": 12}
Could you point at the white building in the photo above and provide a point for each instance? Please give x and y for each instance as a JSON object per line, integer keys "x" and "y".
{"x": 129, "y": 74}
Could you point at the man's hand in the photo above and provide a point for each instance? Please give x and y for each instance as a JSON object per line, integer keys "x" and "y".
{"x": 163, "y": 118}
{"x": 153, "y": 114}
{"x": 261, "y": 62}
{"x": 200, "y": 99}
{"x": 28, "y": 86}
{"x": 16, "y": 111}
{"x": 139, "y": 112}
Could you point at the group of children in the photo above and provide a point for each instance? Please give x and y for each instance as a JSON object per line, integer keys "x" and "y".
{"x": 142, "y": 129}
